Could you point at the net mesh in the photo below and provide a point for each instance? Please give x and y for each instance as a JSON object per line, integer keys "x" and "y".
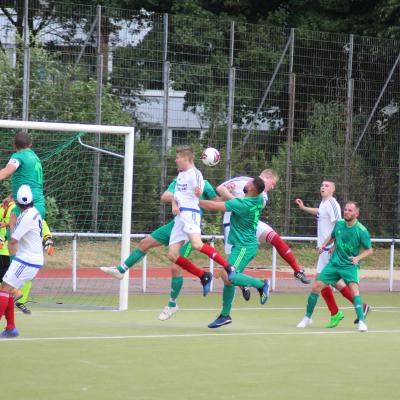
{"x": 84, "y": 194}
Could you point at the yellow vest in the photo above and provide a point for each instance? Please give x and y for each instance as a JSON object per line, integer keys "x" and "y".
{"x": 5, "y": 213}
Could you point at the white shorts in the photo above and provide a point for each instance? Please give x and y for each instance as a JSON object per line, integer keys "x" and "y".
{"x": 185, "y": 223}
{"x": 323, "y": 259}
{"x": 19, "y": 273}
{"x": 262, "y": 228}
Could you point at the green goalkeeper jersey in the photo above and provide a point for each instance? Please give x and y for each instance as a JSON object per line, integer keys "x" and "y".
{"x": 348, "y": 242}
{"x": 244, "y": 219}
{"x": 29, "y": 172}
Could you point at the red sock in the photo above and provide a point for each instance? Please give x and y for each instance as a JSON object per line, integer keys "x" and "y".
{"x": 10, "y": 314}
{"x": 284, "y": 250}
{"x": 346, "y": 292}
{"x": 327, "y": 294}
{"x": 4, "y": 297}
{"x": 212, "y": 253}
{"x": 189, "y": 266}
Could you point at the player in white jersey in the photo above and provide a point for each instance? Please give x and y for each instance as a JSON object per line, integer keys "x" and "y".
{"x": 185, "y": 205}
{"x": 26, "y": 243}
{"x": 233, "y": 188}
{"x": 327, "y": 214}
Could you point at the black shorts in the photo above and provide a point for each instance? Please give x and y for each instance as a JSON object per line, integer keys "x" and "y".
{"x": 4, "y": 264}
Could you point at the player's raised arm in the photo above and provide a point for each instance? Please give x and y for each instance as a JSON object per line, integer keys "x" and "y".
{"x": 212, "y": 205}
{"x": 310, "y": 210}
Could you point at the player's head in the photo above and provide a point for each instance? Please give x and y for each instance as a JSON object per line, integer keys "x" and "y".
{"x": 184, "y": 157}
{"x": 22, "y": 140}
{"x": 351, "y": 211}
{"x": 24, "y": 197}
{"x": 270, "y": 178}
{"x": 254, "y": 187}
{"x": 327, "y": 189}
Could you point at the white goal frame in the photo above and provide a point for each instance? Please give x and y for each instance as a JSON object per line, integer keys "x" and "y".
{"x": 129, "y": 133}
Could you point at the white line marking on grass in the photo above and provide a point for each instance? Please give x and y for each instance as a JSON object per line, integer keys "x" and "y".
{"x": 195, "y": 335}
{"x": 266, "y": 308}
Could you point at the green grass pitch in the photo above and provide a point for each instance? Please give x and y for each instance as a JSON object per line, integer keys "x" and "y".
{"x": 83, "y": 354}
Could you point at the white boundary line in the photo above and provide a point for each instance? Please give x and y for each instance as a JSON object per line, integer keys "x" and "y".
{"x": 266, "y": 308}
{"x": 196, "y": 335}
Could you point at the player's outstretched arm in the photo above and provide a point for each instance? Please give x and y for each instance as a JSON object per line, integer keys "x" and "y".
{"x": 212, "y": 205}
{"x": 7, "y": 171}
{"x": 310, "y": 210}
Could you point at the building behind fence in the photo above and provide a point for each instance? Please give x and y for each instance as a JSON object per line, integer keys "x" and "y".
{"x": 312, "y": 105}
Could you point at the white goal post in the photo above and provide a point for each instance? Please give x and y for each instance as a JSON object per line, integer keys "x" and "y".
{"x": 129, "y": 133}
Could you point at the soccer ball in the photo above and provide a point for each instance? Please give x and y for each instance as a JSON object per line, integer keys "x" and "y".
{"x": 210, "y": 156}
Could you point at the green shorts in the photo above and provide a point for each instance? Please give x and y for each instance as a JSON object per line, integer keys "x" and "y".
{"x": 331, "y": 274}
{"x": 240, "y": 257}
{"x": 162, "y": 235}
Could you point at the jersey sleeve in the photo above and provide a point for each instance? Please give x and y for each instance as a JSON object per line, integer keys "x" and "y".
{"x": 333, "y": 211}
{"x": 22, "y": 227}
{"x": 208, "y": 192}
{"x": 171, "y": 186}
{"x": 234, "y": 205}
{"x": 199, "y": 179}
{"x": 15, "y": 162}
{"x": 365, "y": 239}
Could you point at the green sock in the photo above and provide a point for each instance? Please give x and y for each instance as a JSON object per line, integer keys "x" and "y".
{"x": 133, "y": 258}
{"x": 12, "y": 258}
{"x": 176, "y": 286}
{"x": 245, "y": 280}
{"x": 25, "y": 291}
{"x": 311, "y": 303}
{"x": 228, "y": 295}
{"x": 358, "y": 305}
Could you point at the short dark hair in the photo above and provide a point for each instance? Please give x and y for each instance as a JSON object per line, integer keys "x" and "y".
{"x": 357, "y": 207}
{"x": 22, "y": 140}
{"x": 258, "y": 184}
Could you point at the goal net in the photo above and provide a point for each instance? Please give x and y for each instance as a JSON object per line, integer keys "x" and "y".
{"x": 87, "y": 182}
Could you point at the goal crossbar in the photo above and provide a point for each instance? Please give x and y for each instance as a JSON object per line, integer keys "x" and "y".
{"x": 129, "y": 133}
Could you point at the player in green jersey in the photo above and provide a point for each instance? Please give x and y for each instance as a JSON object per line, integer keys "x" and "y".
{"x": 352, "y": 244}
{"x": 242, "y": 236}
{"x": 25, "y": 168}
{"x": 160, "y": 237}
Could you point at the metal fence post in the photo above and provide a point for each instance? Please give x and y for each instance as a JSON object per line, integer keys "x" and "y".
{"x": 144, "y": 274}
{"x": 391, "y": 266}
{"x": 349, "y": 121}
{"x": 273, "y": 273}
{"x": 288, "y": 173}
{"x": 212, "y": 244}
{"x": 231, "y": 104}
{"x": 164, "y": 139}
{"x": 74, "y": 262}
{"x": 97, "y": 155}
{"x": 26, "y": 78}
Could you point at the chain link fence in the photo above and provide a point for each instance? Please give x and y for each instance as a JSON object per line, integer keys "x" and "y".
{"x": 311, "y": 105}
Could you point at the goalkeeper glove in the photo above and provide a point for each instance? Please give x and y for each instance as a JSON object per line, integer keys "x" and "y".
{"x": 49, "y": 245}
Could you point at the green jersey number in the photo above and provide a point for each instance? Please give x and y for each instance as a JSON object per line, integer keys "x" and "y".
{"x": 39, "y": 172}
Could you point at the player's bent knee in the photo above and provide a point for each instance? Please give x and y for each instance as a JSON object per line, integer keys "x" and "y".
{"x": 147, "y": 243}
